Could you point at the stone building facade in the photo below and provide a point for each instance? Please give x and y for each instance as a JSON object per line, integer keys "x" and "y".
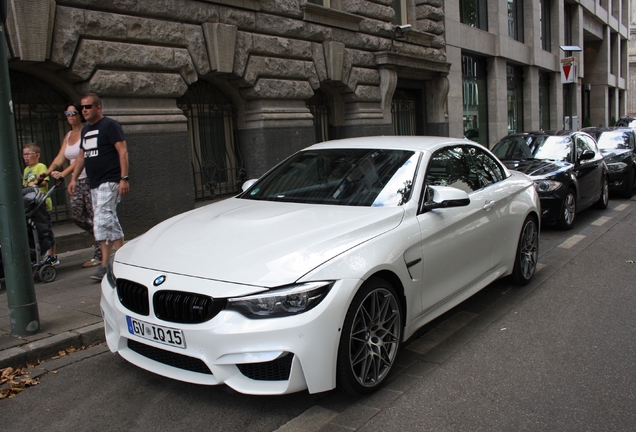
{"x": 246, "y": 82}
{"x": 212, "y": 92}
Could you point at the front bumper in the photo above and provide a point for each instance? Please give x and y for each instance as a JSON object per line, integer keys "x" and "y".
{"x": 253, "y": 356}
{"x": 617, "y": 180}
{"x": 551, "y": 208}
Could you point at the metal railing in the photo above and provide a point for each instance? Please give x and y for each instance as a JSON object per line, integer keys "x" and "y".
{"x": 216, "y": 161}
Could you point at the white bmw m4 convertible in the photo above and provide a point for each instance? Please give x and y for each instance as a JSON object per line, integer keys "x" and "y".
{"x": 314, "y": 275}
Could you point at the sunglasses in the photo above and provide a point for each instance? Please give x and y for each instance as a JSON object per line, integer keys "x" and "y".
{"x": 70, "y": 113}
{"x": 87, "y": 107}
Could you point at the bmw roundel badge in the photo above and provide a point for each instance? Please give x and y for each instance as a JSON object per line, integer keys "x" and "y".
{"x": 161, "y": 279}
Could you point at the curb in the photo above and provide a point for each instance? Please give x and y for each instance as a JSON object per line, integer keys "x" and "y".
{"x": 46, "y": 348}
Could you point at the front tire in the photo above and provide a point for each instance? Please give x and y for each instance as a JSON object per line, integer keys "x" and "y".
{"x": 568, "y": 211}
{"x": 370, "y": 338}
{"x": 527, "y": 253}
{"x": 47, "y": 273}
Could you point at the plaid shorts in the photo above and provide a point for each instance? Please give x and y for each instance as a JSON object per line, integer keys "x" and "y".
{"x": 106, "y": 224}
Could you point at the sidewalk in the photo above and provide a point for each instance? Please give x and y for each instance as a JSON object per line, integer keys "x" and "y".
{"x": 69, "y": 314}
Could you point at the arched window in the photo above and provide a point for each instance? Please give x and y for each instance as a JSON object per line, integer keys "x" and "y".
{"x": 404, "y": 113}
{"x": 318, "y": 104}
{"x": 39, "y": 118}
{"x": 216, "y": 161}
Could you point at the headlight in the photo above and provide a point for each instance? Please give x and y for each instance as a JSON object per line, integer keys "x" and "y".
{"x": 617, "y": 166}
{"x": 112, "y": 280}
{"x": 291, "y": 300}
{"x": 546, "y": 185}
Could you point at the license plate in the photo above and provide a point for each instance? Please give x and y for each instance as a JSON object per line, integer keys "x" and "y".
{"x": 155, "y": 333}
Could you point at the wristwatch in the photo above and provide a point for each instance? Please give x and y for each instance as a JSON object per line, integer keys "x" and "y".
{"x": 124, "y": 178}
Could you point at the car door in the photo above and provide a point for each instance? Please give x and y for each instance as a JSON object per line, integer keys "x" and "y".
{"x": 457, "y": 243}
{"x": 589, "y": 173}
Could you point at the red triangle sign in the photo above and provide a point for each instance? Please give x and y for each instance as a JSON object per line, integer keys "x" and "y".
{"x": 566, "y": 70}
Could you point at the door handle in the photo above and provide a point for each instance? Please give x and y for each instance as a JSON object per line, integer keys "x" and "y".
{"x": 489, "y": 204}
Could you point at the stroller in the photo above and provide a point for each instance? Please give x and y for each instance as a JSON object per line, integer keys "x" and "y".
{"x": 41, "y": 236}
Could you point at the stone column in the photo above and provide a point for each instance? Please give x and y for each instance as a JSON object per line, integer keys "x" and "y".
{"x": 455, "y": 94}
{"x": 160, "y": 167}
{"x": 599, "y": 106}
{"x": 276, "y": 123}
{"x": 531, "y": 118}
{"x": 275, "y": 128}
{"x": 367, "y": 103}
{"x": 578, "y": 40}
{"x": 497, "y": 100}
{"x": 437, "y": 106}
{"x": 556, "y": 102}
{"x": 277, "y": 76}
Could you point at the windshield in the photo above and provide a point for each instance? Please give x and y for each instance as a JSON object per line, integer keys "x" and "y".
{"x": 534, "y": 147}
{"x": 355, "y": 177}
{"x": 613, "y": 140}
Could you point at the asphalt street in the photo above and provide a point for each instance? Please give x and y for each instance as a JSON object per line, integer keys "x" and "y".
{"x": 556, "y": 355}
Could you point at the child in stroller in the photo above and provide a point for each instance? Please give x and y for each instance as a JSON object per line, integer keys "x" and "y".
{"x": 41, "y": 236}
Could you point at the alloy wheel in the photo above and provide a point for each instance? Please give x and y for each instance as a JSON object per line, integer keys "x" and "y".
{"x": 569, "y": 210}
{"x": 374, "y": 337}
{"x": 529, "y": 249}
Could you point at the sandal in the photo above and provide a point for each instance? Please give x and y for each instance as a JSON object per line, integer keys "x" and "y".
{"x": 92, "y": 263}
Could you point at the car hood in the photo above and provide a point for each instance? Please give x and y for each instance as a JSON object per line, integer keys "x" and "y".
{"x": 538, "y": 167}
{"x": 615, "y": 155}
{"x": 256, "y": 242}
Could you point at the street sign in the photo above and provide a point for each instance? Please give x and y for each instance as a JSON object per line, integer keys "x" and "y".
{"x": 568, "y": 70}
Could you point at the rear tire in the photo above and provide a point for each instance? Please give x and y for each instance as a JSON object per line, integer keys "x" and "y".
{"x": 603, "y": 201}
{"x": 629, "y": 185}
{"x": 527, "y": 253}
{"x": 568, "y": 211}
{"x": 370, "y": 338}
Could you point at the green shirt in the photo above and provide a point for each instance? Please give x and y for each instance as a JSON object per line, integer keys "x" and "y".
{"x": 31, "y": 175}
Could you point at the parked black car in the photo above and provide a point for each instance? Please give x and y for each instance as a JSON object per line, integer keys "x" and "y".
{"x": 567, "y": 167}
{"x": 618, "y": 147}
{"x": 626, "y": 121}
{"x": 472, "y": 134}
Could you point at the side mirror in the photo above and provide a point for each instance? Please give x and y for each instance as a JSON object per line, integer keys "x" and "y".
{"x": 443, "y": 197}
{"x": 587, "y": 155}
{"x": 248, "y": 184}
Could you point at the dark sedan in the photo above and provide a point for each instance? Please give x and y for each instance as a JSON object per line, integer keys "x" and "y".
{"x": 618, "y": 147}
{"x": 567, "y": 167}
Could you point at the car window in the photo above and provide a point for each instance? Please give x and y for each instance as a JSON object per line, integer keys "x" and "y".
{"x": 512, "y": 148}
{"x": 615, "y": 140}
{"x": 355, "y": 177}
{"x": 486, "y": 168}
{"x": 451, "y": 167}
{"x": 553, "y": 148}
{"x": 584, "y": 143}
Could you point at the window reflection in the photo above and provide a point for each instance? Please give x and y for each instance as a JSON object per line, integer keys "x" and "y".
{"x": 613, "y": 140}
{"x": 463, "y": 167}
